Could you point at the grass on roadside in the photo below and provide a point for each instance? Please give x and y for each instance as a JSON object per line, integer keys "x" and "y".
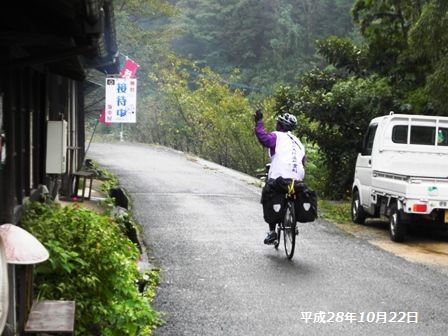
{"x": 335, "y": 211}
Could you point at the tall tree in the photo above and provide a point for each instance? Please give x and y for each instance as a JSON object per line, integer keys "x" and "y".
{"x": 269, "y": 40}
{"x": 429, "y": 41}
{"x": 401, "y": 66}
{"x": 386, "y": 26}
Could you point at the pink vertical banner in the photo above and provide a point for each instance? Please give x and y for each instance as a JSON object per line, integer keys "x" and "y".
{"x": 102, "y": 118}
{"x": 129, "y": 69}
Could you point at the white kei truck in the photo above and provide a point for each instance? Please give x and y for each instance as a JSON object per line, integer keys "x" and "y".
{"x": 402, "y": 172}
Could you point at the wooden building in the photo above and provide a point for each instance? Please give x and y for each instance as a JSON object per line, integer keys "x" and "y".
{"x": 46, "y": 48}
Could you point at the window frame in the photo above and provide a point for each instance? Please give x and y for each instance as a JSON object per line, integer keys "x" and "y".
{"x": 369, "y": 138}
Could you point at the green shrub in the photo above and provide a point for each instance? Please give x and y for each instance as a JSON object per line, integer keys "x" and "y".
{"x": 316, "y": 172}
{"x": 93, "y": 263}
{"x": 335, "y": 211}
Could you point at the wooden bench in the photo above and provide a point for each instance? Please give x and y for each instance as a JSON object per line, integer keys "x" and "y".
{"x": 84, "y": 176}
{"x": 51, "y": 317}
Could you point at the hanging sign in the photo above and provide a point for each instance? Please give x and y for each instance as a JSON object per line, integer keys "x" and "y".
{"x": 121, "y": 100}
{"x": 129, "y": 69}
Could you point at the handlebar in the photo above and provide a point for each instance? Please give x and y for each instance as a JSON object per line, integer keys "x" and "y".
{"x": 265, "y": 173}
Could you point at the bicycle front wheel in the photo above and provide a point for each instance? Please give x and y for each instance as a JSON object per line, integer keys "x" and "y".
{"x": 289, "y": 229}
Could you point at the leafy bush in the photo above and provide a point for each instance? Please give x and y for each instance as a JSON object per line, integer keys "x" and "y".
{"x": 316, "y": 172}
{"x": 93, "y": 263}
{"x": 337, "y": 212}
{"x": 336, "y": 112}
{"x": 109, "y": 179}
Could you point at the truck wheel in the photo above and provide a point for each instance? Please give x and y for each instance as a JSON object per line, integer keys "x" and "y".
{"x": 358, "y": 214}
{"x": 397, "y": 227}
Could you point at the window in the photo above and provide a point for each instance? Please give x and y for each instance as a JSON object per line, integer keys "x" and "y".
{"x": 400, "y": 134}
{"x": 423, "y": 135}
{"x": 367, "y": 144}
{"x": 420, "y": 135}
{"x": 442, "y": 137}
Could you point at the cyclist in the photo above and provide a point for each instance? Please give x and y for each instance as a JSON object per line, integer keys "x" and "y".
{"x": 287, "y": 155}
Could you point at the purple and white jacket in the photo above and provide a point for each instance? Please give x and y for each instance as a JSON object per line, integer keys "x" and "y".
{"x": 286, "y": 152}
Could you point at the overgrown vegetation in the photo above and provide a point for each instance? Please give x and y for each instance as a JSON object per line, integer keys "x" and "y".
{"x": 189, "y": 106}
{"x": 269, "y": 41}
{"x": 206, "y": 65}
{"x": 93, "y": 262}
{"x": 108, "y": 179}
{"x": 398, "y": 66}
{"x": 335, "y": 211}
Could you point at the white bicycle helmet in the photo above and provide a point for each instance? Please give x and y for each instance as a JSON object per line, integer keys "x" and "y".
{"x": 288, "y": 121}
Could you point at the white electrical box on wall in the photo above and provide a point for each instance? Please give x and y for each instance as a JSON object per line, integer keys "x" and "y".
{"x": 56, "y": 147}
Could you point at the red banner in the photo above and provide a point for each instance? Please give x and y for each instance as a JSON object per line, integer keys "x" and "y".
{"x": 129, "y": 69}
{"x": 102, "y": 118}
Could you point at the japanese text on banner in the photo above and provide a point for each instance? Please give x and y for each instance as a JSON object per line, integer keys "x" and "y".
{"x": 121, "y": 100}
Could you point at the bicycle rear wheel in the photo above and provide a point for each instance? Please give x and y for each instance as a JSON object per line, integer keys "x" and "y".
{"x": 289, "y": 229}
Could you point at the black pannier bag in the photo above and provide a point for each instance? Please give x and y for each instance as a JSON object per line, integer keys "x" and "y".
{"x": 272, "y": 198}
{"x": 306, "y": 205}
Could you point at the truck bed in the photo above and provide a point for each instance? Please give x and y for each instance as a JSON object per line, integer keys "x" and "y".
{"x": 412, "y": 189}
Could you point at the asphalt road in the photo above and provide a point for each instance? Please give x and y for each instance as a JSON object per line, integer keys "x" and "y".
{"x": 204, "y": 228}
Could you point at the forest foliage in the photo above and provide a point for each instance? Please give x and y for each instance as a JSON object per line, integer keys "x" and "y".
{"x": 205, "y": 65}
{"x": 399, "y": 66}
{"x": 269, "y": 41}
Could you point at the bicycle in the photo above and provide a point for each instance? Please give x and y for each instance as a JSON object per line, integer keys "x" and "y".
{"x": 288, "y": 224}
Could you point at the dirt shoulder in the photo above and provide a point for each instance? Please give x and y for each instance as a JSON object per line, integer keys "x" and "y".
{"x": 424, "y": 246}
